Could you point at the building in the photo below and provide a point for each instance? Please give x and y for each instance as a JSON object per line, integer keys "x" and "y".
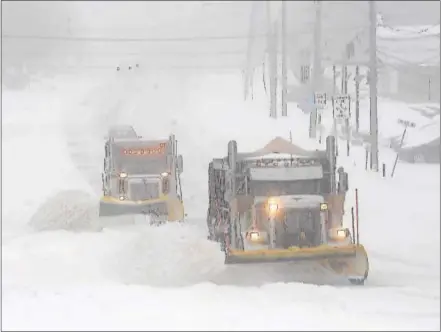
{"x": 409, "y": 63}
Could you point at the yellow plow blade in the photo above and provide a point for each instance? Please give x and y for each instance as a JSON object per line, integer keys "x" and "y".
{"x": 170, "y": 209}
{"x": 349, "y": 261}
{"x": 175, "y": 210}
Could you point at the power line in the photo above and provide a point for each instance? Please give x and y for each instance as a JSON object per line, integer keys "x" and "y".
{"x": 411, "y": 32}
{"x": 151, "y": 39}
{"x": 128, "y": 40}
{"x": 122, "y": 54}
{"x": 149, "y": 67}
{"x": 408, "y": 37}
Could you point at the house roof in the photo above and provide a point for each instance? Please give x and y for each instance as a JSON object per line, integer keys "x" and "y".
{"x": 409, "y": 45}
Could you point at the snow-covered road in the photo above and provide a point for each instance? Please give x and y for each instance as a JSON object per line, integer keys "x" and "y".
{"x": 171, "y": 277}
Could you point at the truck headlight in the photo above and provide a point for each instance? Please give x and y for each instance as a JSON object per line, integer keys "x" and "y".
{"x": 273, "y": 207}
{"x": 164, "y": 174}
{"x": 121, "y": 198}
{"x": 341, "y": 233}
{"x": 323, "y": 206}
{"x": 254, "y": 236}
{"x": 123, "y": 175}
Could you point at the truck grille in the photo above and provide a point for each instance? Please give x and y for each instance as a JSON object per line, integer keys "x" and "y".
{"x": 297, "y": 219}
{"x": 140, "y": 190}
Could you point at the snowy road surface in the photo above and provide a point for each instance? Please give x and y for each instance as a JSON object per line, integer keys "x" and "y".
{"x": 171, "y": 277}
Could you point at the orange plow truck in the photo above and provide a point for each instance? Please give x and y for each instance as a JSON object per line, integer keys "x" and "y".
{"x": 283, "y": 204}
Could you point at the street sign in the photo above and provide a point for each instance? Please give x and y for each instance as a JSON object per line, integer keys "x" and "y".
{"x": 418, "y": 158}
{"x": 342, "y": 106}
{"x": 320, "y": 100}
{"x": 305, "y": 73}
{"x": 407, "y": 123}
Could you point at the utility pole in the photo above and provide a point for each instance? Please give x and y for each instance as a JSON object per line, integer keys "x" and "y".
{"x": 334, "y": 115}
{"x": 284, "y": 69}
{"x": 373, "y": 85}
{"x": 248, "y": 79}
{"x": 272, "y": 54}
{"x": 316, "y": 74}
{"x": 357, "y": 98}
{"x": 69, "y": 26}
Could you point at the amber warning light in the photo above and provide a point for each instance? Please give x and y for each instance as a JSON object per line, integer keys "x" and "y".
{"x": 160, "y": 149}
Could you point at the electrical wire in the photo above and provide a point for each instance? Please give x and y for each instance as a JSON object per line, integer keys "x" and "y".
{"x": 152, "y": 67}
{"x": 128, "y": 40}
{"x": 154, "y": 40}
{"x": 411, "y": 32}
{"x": 122, "y": 54}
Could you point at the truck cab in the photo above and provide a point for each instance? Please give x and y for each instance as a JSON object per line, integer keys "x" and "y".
{"x": 282, "y": 199}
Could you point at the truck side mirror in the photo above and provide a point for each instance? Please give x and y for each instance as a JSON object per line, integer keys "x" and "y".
{"x": 106, "y": 150}
{"x": 180, "y": 164}
{"x": 346, "y": 181}
{"x": 232, "y": 155}
{"x": 343, "y": 181}
{"x": 169, "y": 160}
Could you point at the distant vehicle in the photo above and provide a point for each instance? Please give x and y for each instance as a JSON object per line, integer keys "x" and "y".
{"x": 122, "y": 132}
{"x": 127, "y": 67}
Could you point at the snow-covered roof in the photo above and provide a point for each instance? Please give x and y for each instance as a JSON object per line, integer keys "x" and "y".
{"x": 409, "y": 45}
{"x": 408, "y": 32}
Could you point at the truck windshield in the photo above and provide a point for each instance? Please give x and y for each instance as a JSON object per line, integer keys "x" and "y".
{"x": 278, "y": 188}
{"x": 141, "y": 165}
{"x": 140, "y": 157}
{"x": 293, "y": 218}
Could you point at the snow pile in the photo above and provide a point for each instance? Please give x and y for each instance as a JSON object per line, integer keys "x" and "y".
{"x": 72, "y": 210}
{"x": 173, "y": 255}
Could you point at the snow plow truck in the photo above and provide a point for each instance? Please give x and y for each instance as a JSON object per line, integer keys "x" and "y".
{"x": 283, "y": 204}
{"x": 141, "y": 177}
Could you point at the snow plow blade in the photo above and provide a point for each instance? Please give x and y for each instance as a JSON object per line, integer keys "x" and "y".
{"x": 169, "y": 210}
{"x": 349, "y": 261}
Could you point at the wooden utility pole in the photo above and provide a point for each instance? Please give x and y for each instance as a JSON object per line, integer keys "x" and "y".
{"x": 316, "y": 74}
{"x": 373, "y": 85}
{"x": 272, "y": 53}
{"x": 357, "y": 98}
{"x": 284, "y": 64}
{"x": 334, "y": 115}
